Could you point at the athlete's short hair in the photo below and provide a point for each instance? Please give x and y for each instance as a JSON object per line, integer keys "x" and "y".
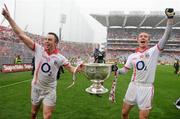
{"x": 145, "y": 33}
{"x": 56, "y": 37}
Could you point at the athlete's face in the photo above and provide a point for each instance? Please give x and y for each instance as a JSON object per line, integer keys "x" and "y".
{"x": 143, "y": 40}
{"x": 49, "y": 43}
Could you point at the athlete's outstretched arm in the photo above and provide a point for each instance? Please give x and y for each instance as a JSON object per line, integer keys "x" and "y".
{"x": 70, "y": 68}
{"x": 73, "y": 69}
{"x": 170, "y": 14}
{"x": 20, "y": 33}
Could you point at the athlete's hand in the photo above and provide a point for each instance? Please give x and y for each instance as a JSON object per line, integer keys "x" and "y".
{"x": 80, "y": 67}
{"x": 5, "y": 12}
{"x": 169, "y": 13}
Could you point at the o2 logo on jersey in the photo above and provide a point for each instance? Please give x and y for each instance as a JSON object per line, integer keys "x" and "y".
{"x": 140, "y": 65}
{"x": 45, "y": 67}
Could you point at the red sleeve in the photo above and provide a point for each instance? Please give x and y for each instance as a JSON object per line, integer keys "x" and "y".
{"x": 34, "y": 46}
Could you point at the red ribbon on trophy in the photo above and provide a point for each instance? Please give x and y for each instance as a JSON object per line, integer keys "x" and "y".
{"x": 113, "y": 88}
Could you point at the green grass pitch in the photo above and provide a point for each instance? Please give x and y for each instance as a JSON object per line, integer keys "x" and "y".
{"x": 75, "y": 103}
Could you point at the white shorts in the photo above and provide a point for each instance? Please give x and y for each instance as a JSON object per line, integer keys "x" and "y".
{"x": 48, "y": 97}
{"x": 140, "y": 94}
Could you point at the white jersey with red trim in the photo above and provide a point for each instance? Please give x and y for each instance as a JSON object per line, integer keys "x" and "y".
{"x": 46, "y": 68}
{"x": 143, "y": 64}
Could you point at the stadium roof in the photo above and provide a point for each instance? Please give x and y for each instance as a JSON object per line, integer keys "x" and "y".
{"x": 136, "y": 19}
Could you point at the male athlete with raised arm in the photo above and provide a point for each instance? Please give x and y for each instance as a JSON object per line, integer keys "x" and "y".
{"x": 144, "y": 61}
{"x": 47, "y": 62}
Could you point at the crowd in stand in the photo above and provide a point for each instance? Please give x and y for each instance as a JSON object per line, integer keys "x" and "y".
{"x": 132, "y": 33}
{"x": 7, "y": 34}
{"x": 11, "y": 46}
{"x": 122, "y": 42}
{"x": 76, "y": 49}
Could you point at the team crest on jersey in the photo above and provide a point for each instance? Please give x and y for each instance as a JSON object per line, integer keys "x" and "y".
{"x": 141, "y": 56}
{"x": 55, "y": 62}
{"x": 44, "y": 56}
{"x": 134, "y": 58}
{"x": 147, "y": 55}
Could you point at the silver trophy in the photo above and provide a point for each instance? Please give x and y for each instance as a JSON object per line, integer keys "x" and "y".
{"x": 97, "y": 73}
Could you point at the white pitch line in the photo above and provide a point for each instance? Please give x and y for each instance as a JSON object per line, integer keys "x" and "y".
{"x": 14, "y": 84}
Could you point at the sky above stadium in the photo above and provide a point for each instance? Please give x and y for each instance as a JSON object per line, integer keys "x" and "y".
{"x": 104, "y": 6}
{"x": 98, "y": 7}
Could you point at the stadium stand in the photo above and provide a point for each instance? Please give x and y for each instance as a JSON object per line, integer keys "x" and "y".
{"x": 11, "y": 46}
{"x": 122, "y": 30}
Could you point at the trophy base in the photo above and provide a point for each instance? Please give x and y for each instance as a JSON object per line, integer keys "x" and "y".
{"x": 96, "y": 89}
